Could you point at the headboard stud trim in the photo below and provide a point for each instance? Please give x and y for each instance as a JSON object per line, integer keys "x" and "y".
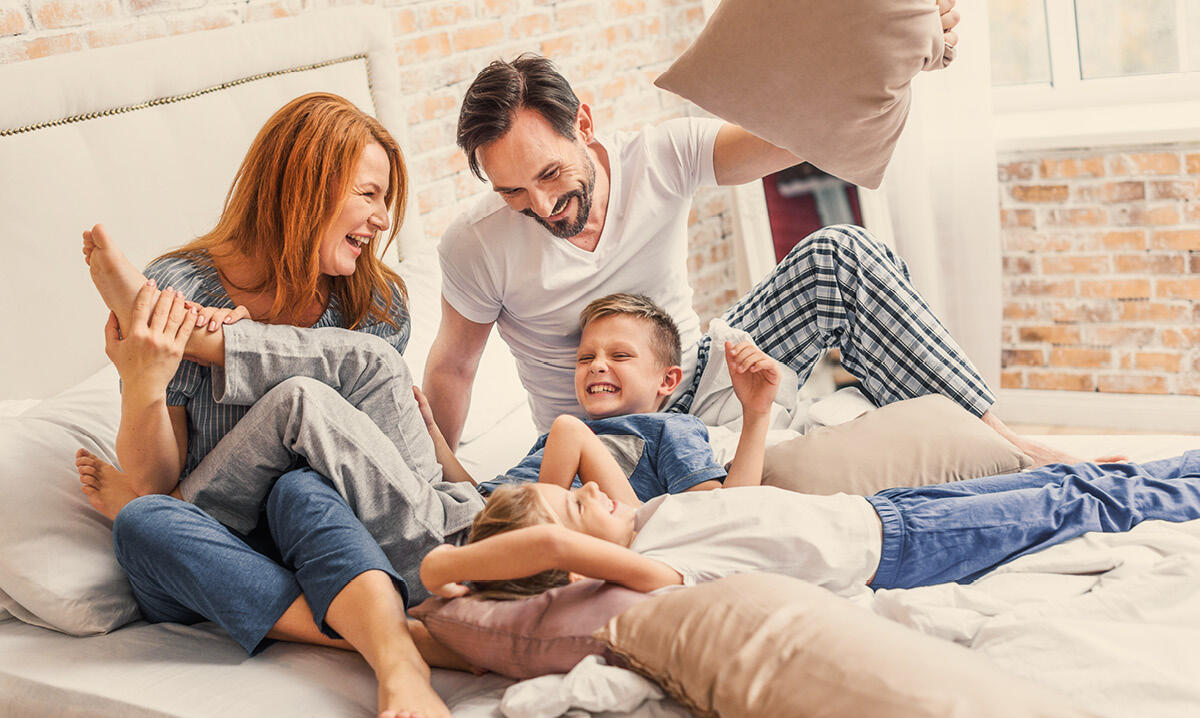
{"x": 187, "y": 96}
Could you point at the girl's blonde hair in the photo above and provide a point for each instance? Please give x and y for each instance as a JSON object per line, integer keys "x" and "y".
{"x": 510, "y": 508}
{"x": 289, "y": 190}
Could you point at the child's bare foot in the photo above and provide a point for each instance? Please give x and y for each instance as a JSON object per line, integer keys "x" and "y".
{"x": 115, "y": 277}
{"x": 406, "y": 693}
{"x": 107, "y": 489}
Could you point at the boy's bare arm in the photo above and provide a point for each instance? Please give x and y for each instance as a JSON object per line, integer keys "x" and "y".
{"x": 528, "y": 551}
{"x": 572, "y": 448}
{"x": 452, "y": 468}
{"x": 755, "y": 379}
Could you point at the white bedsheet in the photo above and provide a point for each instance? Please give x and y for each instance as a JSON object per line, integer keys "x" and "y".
{"x": 1111, "y": 621}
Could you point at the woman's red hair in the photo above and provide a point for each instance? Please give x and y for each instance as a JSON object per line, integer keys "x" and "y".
{"x": 287, "y": 192}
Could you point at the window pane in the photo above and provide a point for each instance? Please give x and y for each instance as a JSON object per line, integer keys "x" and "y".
{"x": 1122, "y": 37}
{"x": 1020, "y": 51}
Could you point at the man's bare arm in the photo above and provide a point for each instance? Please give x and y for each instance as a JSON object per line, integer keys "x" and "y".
{"x": 450, "y": 370}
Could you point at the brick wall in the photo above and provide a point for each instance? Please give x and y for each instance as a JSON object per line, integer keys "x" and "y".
{"x": 610, "y": 49}
{"x": 1102, "y": 270}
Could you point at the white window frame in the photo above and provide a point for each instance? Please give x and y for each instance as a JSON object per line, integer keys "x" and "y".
{"x": 1070, "y": 112}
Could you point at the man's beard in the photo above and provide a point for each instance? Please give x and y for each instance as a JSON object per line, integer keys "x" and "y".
{"x": 571, "y": 226}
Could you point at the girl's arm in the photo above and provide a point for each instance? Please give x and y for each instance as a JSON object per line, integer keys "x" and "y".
{"x": 528, "y": 551}
{"x": 572, "y": 448}
{"x": 452, "y": 468}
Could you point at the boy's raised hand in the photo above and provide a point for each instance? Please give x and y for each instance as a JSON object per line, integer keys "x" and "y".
{"x": 755, "y": 376}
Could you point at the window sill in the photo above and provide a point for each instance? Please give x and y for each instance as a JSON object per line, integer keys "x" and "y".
{"x": 1098, "y": 127}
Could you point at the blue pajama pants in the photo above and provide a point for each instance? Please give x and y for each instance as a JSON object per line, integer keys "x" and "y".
{"x": 186, "y": 567}
{"x": 840, "y": 287}
{"x": 960, "y": 531}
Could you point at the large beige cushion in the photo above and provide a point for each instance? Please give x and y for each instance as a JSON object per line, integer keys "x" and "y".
{"x": 827, "y": 80}
{"x": 916, "y": 442}
{"x": 770, "y": 645}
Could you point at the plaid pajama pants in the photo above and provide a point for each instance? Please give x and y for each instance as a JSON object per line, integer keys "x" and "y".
{"x": 841, "y": 287}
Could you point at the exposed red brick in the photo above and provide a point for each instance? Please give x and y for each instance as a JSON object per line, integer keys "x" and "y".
{"x": 1041, "y": 288}
{"x": 537, "y": 23}
{"x": 442, "y": 13}
{"x": 1158, "y": 361}
{"x": 417, "y": 48}
{"x": 479, "y": 36}
{"x": 1081, "y": 311}
{"x": 1016, "y": 171}
{"x": 1193, "y": 164}
{"x": 1022, "y": 310}
{"x": 1146, "y": 263}
{"x": 1140, "y": 215}
{"x": 1147, "y": 311}
{"x": 1116, "y": 289}
{"x": 1125, "y": 384}
{"x": 1016, "y": 218}
{"x": 1012, "y": 380}
{"x": 1178, "y": 288}
{"x": 1059, "y": 380}
{"x": 1181, "y": 338}
{"x": 1185, "y": 239}
{"x": 1027, "y": 241}
{"x": 12, "y": 21}
{"x": 1059, "y": 334}
{"x": 1127, "y": 239}
{"x": 1076, "y": 265}
{"x": 1073, "y": 167}
{"x": 1076, "y": 217}
{"x": 1023, "y": 357}
{"x": 53, "y": 14}
{"x": 1119, "y": 336}
{"x": 1080, "y": 358}
{"x": 1144, "y": 163}
{"x": 1174, "y": 189}
{"x": 1040, "y": 193}
{"x": 1018, "y": 264}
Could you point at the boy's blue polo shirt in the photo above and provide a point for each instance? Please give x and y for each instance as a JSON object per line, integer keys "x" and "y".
{"x": 660, "y": 453}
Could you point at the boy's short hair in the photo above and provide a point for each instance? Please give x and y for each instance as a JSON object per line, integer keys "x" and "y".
{"x": 664, "y": 339}
{"x": 510, "y": 508}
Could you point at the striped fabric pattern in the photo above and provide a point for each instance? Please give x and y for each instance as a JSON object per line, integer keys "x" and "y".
{"x": 208, "y": 421}
{"x": 841, "y": 287}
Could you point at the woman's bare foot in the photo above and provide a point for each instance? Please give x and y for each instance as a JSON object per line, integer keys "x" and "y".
{"x": 115, "y": 277}
{"x": 405, "y": 692}
{"x": 107, "y": 489}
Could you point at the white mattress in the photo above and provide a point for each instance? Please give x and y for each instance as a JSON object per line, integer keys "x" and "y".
{"x": 1112, "y": 621}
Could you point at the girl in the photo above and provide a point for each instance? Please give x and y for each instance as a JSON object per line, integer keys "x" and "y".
{"x": 531, "y": 537}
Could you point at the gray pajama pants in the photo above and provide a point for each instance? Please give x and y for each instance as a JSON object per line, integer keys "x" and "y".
{"x": 342, "y": 402}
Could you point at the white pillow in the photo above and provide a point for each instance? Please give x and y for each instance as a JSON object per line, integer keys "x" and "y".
{"x": 57, "y": 568}
{"x": 498, "y": 391}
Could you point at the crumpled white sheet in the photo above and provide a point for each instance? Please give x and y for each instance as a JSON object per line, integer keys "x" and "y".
{"x": 592, "y": 686}
{"x": 1111, "y": 621}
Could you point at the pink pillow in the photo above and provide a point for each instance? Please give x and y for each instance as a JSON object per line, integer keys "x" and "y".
{"x": 826, "y": 79}
{"x": 529, "y": 637}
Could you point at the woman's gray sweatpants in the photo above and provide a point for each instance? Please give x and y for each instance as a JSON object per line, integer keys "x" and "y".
{"x": 342, "y": 402}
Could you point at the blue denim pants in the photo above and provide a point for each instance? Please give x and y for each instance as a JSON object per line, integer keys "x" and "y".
{"x": 186, "y": 567}
{"x": 960, "y": 531}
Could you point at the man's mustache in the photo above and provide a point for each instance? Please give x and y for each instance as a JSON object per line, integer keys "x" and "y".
{"x": 558, "y": 207}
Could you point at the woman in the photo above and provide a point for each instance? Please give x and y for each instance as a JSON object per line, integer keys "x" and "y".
{"x": 296, "y": 244}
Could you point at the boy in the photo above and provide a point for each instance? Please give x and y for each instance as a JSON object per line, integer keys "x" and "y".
{"x": 627, "y": 365}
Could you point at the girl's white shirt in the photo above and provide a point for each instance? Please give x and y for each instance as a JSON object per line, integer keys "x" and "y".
{"x": 831, "y": 541}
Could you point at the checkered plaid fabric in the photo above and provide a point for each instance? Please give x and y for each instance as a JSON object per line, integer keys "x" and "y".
{"x": 841, "y": 287}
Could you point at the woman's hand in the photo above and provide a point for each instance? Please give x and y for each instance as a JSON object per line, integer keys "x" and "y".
{"x": 755, "y": 376}
{"x": 149, "y": 356}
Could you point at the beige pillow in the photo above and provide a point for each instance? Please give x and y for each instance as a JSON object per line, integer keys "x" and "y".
{"x": 916, "y": 442}
{"x": 769, "y": 645}
{"x": 828, "y": 80}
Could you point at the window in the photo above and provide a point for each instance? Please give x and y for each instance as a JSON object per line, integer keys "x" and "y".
{"x": 1137, "y": 60}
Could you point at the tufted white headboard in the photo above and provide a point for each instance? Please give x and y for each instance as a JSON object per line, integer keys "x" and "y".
{"x": 146, "y": 138}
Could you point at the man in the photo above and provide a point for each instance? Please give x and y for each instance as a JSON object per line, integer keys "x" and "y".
{"x": 575, "y": 217}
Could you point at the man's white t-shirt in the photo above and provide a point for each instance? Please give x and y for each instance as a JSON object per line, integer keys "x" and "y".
{"x": 502, "y": 266}
{"x": 831, "y": 541}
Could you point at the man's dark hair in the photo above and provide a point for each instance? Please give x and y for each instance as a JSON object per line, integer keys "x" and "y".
{"x": 501, "y": 89}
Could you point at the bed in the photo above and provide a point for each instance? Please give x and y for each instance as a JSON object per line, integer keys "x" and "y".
{"x": 145, "y": 138}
